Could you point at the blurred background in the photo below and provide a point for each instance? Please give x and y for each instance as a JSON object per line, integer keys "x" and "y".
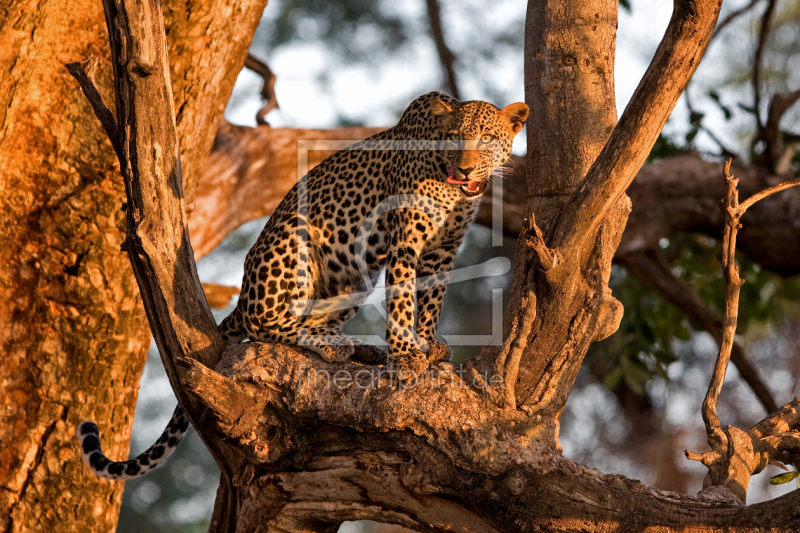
{"x": 636, "y": 404}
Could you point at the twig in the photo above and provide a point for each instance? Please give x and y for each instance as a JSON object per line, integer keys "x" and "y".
{"x": 84, "y": 73}
{"x": 730, "y": 271}
{"x": 767, "y": 192}
{"x": 725, "y": 151}
{"x": 720, "y": 439}
{"x": 267, "y": 89}
{"x": 735, "y": 454}
{"x": 733, "y": 16}
{"x": 766, "y": 21}
{"x": 445, "y": 55}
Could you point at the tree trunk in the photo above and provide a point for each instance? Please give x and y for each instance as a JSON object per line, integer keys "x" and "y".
{"x": 71, "y": 323}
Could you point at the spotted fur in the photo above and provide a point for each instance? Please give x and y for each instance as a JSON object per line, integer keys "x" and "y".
{"x": 388, "y": 202}
{"x": 89, "y": 438}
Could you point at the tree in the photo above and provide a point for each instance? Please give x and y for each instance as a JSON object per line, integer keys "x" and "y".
{"x": 72, "y": 329}
{"x": 442, "y": 462}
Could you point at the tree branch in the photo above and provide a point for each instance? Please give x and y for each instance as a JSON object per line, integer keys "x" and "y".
{"x": 766, "y": 21}
{"x": 157, "y": 235}
{"x": 446, "y": 57}
{"x": 249, "y": 172}
{"x": 733, "y": 16}
{"x": 346, "y": 441}
{"x": 778, "y": 156}
{"x": 679, "y": 195}
{"x": 267, "y": 89}
{"x": 735, "y": 455}
{"x": 84, "y": 73}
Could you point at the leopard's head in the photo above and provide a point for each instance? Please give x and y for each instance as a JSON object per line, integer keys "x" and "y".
{"x": 478, "y": 138}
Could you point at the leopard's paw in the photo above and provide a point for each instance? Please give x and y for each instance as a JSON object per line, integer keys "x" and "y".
{"x": 336, "y": 353}
{"x": 439, "y": 351}
{"x": 408, "y": 366}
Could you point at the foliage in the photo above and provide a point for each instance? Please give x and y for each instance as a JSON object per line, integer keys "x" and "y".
{"x": 643, "y": 346}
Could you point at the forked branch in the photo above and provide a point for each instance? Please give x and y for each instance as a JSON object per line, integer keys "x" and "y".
{"x": 736, "y": 454}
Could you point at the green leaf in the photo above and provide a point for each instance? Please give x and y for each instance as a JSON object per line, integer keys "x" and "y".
{"x": 780, "y": 479}
{"x": 613, "y": 378}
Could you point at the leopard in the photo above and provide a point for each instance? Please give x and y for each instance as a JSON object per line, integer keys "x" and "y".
{"x": 401, "y": 202}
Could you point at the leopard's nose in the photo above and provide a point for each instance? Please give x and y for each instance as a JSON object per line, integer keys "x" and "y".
{"x": 465, "y": 171}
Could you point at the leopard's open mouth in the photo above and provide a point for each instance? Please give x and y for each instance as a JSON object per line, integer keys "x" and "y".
{"x": 470, "y": 188}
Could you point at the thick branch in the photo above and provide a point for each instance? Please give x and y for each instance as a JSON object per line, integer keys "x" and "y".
{"x": 251, "y": 169}
{"x": 248, "y": 173}
{"x": 680, "y": 195}
{"x": 676, "y": 59}
{"x": 346, "y": 442}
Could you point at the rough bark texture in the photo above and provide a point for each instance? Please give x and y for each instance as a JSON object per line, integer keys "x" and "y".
{"x": 313, "y": 443}
{"x": 322, "y": 443}
{"x": 71, "y": 325}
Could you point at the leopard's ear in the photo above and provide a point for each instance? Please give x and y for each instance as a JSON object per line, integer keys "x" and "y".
{"x": 441, "y": 110}
{"x": 516, "y": 115}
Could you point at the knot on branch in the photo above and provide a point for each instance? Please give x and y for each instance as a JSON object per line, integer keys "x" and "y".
{"x": 739, "y": 454}
{"x": 532, "y": 234}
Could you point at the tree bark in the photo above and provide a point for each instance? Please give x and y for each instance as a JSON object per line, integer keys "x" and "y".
{"x": 71, "y": 323}
{"x": 308, "y": 446}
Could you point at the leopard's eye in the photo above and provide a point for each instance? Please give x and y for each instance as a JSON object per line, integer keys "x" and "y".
{"x": 455, "y": 137}
{"x": 486, "y": 138}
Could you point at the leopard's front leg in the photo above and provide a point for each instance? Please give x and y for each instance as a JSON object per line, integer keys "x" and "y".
{"x": 406, "y": 350}
{"x": 433, "y": 275}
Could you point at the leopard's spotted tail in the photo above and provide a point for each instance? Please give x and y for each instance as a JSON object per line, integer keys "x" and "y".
{"x": 155, "y": 456}
{"x": 232, "y": 330}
